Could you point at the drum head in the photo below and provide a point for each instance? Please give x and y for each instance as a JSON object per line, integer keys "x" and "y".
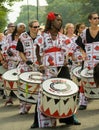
{"x": 31, "y": 77}
{"x": 10, "y": 75}
{"x": 77, "y": 71}
{"x": 60, "y": 87}
{"x": 86, "y": 73}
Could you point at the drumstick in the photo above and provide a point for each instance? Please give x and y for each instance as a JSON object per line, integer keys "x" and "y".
{"x": 35, "y": 90}
{"x": 82, "y": 67}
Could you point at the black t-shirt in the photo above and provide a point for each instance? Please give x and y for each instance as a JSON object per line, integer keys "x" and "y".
{"x": 19, "y": 46}
{"x": 89, "y": 39}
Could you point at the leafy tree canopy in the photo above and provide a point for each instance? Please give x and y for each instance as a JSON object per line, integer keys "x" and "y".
{"x": 4, "y": 12}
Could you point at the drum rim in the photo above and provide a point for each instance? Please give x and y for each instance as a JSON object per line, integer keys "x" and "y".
{"x": 63, "y": 94}
{"x": 82, "y": 76}
{"x": 74, "y": 74}
{"x": 3, "y": 76}
{"x": 28, "y": 82}
{"x": 20, "y": 78}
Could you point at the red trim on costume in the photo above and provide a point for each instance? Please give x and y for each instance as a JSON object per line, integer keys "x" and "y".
{"x": 54, "y": 49}
{"x": 81, "y": 89}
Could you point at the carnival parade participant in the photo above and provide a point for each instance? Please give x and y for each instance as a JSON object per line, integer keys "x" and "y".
{"x": 79, "y": 28}
{"x": 10, "y": 28}
{"x": 9, "y": 53}
{"x": 75, "y": 54}
{"x": 89, "y": 40}
{"x": 51, "y": 51}
{"x": 72, "y": 46}
{"x": 2, "y": 69}
{"x": 26, "y": 48}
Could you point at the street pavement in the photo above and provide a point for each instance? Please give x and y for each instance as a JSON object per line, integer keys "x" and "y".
{"x": 11, "y": 120}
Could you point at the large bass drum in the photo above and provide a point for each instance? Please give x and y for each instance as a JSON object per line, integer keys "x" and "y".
{"x": 29, "y": 83}
{"x": 58, "y": 97}
{"x": 10, "y": 79}
{"x": 91, "y": 91}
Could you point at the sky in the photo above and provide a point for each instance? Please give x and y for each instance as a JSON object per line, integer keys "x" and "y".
{"x": 12, "y": 16}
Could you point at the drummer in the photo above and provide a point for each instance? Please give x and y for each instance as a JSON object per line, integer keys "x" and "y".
{"x": 11, "y": 56}
{"x": 51, "y": 52}
{"x": 89, "y": 42}
{"x": 2, "y": 69}
{"x": 26, "y": 48}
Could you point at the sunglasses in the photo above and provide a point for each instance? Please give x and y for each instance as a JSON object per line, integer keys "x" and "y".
{"x": 35, "y": 26}
{"x": 95, "y": 18}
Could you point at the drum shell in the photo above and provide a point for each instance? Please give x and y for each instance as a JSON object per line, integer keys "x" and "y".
{"x": 90, "y": 89}
{"x": 58, "y": 106}
{"x": 10, "y": 83}
{"x": 28, "y": 91}
{"x": 76, "y": 75}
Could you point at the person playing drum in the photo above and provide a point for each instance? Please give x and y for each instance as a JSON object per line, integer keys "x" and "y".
{"x": 26, "y": 48}
{"x": 2, "y": 69}
{"x": 10, "y": 55}
{"x": 89, "y": 42}
{"x": 51, "y": 52}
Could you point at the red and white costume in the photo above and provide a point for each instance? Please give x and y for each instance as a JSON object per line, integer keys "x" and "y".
{"x": 92, "y": 50}
{"x": 53, "y": 53}
{"x": 29, "y": 51}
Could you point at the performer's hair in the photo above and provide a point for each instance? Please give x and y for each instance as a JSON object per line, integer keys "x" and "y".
{"x": 48, "y": 24}
{"x": 96, "y": 74}
{"x": 31, "y": 22}
{"x": 91, "y": 15}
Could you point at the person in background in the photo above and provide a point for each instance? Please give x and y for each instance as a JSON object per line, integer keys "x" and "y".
{"x": 88, "y": 41}
{"x": 51, "y": 52}
{"x": 26, "y": 48}
{"x": 2, "y": 69}
{"x": 76, "y": 53}
{"x": 9, "y": 53}
{"x": 41, "y": 29}
{"x": 79, "y": 28}
{"x": 10, "y": 28}
{"x": 71, "y": 37}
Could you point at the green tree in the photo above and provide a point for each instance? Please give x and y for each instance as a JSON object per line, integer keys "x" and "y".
{"x": 4, "y": 12}
{"x": 74, "y": 11}
{"x": 3, "y": 16}
{"x": 29, "y": 13}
